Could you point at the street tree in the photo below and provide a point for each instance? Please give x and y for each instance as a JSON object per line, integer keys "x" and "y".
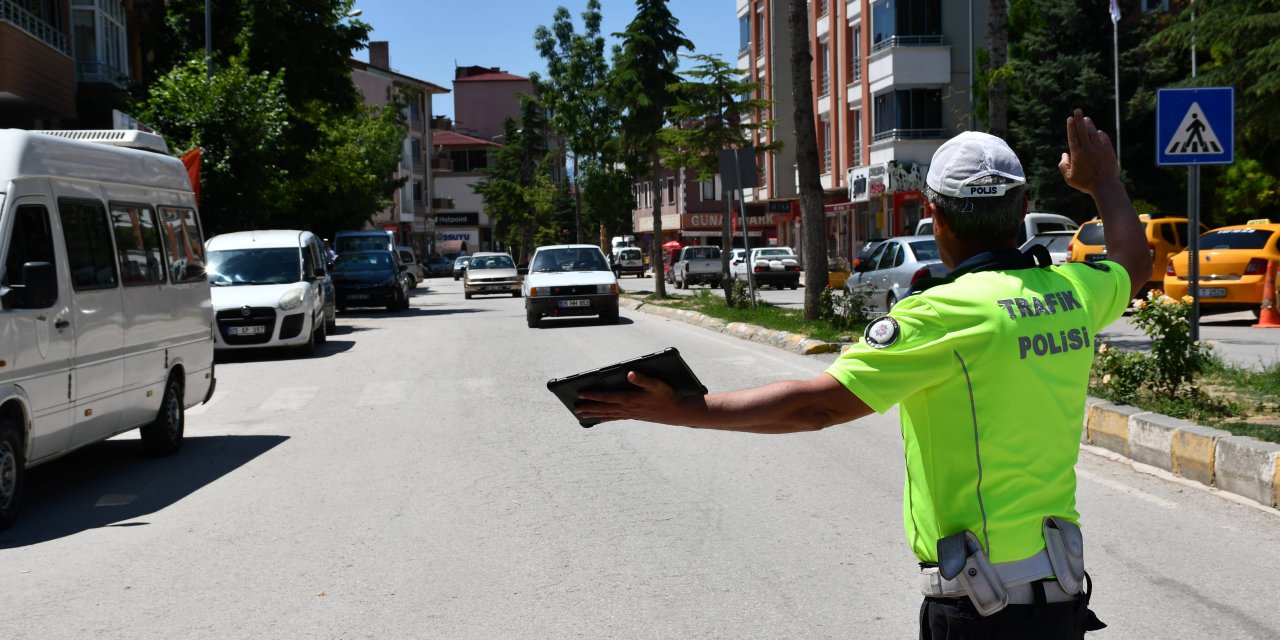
{"x": 574, "y": 91}
{"x": 813, "y": 221}
{"x": 644, "y": 71}
{"x": 238, "y": 119}
{"x": 709, "y": 117}
{"x": 517, "y": 189}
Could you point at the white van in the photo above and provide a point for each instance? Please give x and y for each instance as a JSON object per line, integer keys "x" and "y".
{"x": 105, "y": 319}
{"x": 1033, "y": 224}
{"x": 268, "y": 290}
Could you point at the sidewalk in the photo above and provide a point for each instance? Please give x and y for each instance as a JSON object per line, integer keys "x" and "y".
{"x": 1238, "y": 465}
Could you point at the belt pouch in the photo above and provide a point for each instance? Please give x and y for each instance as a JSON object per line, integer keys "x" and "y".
{"x": 961, "y": 557}
{"x": 1065, "y": 546}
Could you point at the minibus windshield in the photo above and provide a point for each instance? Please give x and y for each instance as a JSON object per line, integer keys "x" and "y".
{"x": 232, "y": 267}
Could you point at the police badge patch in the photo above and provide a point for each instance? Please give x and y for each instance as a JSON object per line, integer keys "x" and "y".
{"x": 881, "y": 333}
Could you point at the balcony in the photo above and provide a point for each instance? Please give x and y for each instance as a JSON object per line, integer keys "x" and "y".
{"x": 441, "y": 165}
{"x": 907, "y": 134}
{"x": 49, "y": 34}
{"x": 927, "y": 62}
{"x": 442, "y": 203}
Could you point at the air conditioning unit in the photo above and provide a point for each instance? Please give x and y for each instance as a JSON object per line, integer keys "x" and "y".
{"x": 128, "y": 138}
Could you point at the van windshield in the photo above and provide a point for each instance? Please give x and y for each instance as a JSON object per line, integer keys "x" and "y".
{"x": 233, "y": 267}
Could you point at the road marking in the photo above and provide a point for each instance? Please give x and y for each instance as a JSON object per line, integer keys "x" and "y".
{"x": 290, "y": 399}
{"x": 1127, "y": 490}
{"x": 383, "y": 393}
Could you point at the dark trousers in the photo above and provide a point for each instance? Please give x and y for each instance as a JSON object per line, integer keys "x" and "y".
{"x": 956, "y": 619}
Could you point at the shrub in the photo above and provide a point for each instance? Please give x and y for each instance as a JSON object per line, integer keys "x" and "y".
{"x": 842, "y": 309}
{"x": 1174, "y": 359}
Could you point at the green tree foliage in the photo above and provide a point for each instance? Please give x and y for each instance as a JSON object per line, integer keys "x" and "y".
{"x": 574, "y": 88}
{"x": 644, "y": 70}
{"x": 238, "y": 118}
{"x": 517, "y": 189}
{"x": 330, "y": 163}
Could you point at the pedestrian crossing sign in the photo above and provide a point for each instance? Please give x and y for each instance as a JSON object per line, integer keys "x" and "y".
{"x": 1195, "y": 126}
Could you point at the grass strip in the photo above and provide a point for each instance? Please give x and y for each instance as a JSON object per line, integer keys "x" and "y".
{"x": 764, "y": 315}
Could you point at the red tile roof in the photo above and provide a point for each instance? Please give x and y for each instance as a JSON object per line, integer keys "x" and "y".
{"x": 491, "y": 77}
{"x": 455, "y": 139}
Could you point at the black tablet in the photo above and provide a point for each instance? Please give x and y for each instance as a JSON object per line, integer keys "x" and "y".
{"x": 665, "y": 365}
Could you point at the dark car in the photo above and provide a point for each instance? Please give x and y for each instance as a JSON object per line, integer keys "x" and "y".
{"x": 371, "y": 279}
{"x": 438, "y": 265}
{"x": 460, "y": 266}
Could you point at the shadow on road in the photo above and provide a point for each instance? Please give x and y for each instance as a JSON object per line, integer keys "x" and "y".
{"x": 330, "y": 347}
{"x": 578, "y": 321}
{"x": 107, "y": 484}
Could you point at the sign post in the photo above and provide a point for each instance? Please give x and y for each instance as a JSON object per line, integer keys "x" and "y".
{"x": 1195, "y": 127}
{"x": 738, "y": 171}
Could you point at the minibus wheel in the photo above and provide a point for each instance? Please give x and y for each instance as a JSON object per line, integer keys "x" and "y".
{"x": 164, "y": 435}
{"x": 13, "y": 472}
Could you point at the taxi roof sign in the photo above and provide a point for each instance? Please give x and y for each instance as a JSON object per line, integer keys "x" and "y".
{"x": 1259, "y": 221}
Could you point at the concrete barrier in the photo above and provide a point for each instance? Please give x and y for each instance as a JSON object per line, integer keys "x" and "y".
{"x": 1193, "y": 450}
{"x": 1108, "y": 426}
{"x": 1151, "y": 439}
{"x": 1247, "y": 467}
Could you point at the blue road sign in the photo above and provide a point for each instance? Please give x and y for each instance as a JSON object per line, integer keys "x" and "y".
{"x": 1195, "y": 126}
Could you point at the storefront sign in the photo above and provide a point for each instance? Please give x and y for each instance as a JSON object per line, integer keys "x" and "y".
{"x": 857, "y": 181}
{"x": 457, "y": 219}
{"x": 456, "y": 240}
{"x": 714, "y": 220}
{"x": 884, "y": 178}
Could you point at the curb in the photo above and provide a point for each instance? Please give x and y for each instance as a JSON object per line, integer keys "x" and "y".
{"x": 1239, "y": 465}
{"x": 792, "y": 342}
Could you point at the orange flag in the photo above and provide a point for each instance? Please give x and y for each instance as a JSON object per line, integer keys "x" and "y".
{"x": 191, "y": 160}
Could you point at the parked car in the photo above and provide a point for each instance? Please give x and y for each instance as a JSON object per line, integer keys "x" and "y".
{"x": 870, "y": 245}
{"x": 628, "y": 260}
{"x": 460, "y": 266}
{"x": 1166, "y": 236}
{"x": 893, "y": 267}
{"x": 409, "y": 258}
{"x": 103, "y": 284}
{"x": 1033, "y": 223}
{"x": 570, "y": 280}
{"x": 279, "y": 277}
{"x": 371, "y": 279}
{"x": 1056, "y": 242}
{"x": 1233, "y": 267}
{"x": 775, "y": 266}
{"x": 696, "y": 265}
{"x": 438, "y": 265}
{"x": 491, "y": 273}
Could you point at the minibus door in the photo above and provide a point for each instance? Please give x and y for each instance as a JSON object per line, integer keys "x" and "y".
{"x": 36, "y": 337}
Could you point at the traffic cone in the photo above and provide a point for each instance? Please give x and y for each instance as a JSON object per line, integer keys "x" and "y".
{"x": 1269, "y": 318}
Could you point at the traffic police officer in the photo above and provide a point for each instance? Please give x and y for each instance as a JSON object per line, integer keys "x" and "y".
{"x": 989, "y": 368}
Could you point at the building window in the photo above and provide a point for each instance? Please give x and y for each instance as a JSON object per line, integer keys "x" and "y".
{"x": 416, "y": 149}
{"x": 744, "y": 35}
{"x": 824, "y": 66}
{"x": 469, "y": 160}
{"x": 99, "y": 41}
{"x": 905, "y": 22}
{"x": 826, "y": 145}
{"x": 760, "y": 31}
{"x": 855, "y": 53}
{"x": 671, "y": 190}
{"x": 855, "y": 149}
{"x": 417, "y": 192}
{"x": 711, "y": 189}
{"x": 822, "y": 8}
{"x": 907, "y": 114}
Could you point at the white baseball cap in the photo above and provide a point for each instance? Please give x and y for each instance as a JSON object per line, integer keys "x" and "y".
{"x": 969, "y": 157}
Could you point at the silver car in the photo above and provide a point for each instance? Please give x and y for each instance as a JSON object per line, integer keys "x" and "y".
{"x": 893, "y": 267}
{"x": 1057, "y": 242}
{"x": 491, "y": 273}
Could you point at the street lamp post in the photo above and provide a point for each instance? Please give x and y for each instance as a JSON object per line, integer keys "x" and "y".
{"x": 208, "y": 42}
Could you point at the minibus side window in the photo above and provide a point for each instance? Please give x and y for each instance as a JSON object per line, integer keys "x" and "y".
{"x": 90, "y": 256}
{"x": 32, "y": 241}
{"x": 185, "y": 244}
{"x": 138, "y": 244}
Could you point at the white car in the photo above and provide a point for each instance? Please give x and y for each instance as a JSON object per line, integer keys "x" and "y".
{"x": 570, "y": 280}
{"x": 268, "y": 289}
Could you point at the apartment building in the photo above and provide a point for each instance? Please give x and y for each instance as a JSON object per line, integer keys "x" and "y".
{"x": 892, "y": 80}
{"x": 412, "y": 214}
{"x": 67, "y": 64}
{"x": 692, "y": 212}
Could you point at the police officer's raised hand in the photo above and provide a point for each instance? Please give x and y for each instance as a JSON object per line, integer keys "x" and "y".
{"x": 1090, "y": 165}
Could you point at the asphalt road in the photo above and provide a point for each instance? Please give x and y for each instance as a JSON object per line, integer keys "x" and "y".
{"x": 416, "y": 480}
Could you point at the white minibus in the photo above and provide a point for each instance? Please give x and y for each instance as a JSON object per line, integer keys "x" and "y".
{"x": 105, "y": 319}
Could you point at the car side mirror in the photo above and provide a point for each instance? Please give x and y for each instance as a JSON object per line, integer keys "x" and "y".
{"x": 39, "y": 289}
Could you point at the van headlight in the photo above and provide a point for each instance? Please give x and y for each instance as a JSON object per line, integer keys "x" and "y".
{"x": 291, "y": 300}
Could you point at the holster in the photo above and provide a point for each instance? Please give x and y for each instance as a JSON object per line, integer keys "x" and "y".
{"x": 1065, "y": 546}
{"x": 961, "y": 557}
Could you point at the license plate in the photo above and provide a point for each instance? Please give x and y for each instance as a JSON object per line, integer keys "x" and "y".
{"x": 491, "y": 288}
{"x": 251, "y": 330}
{"x": 1213, "y": 292}
{"x": 358, "y": 296}
{"x": 1095, "y": 257}
{"x": 575, "y": 303}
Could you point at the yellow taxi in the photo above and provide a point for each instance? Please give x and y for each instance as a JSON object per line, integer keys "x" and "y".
{"x": 1233, "y": 266}
{"x": 1166, "y": 236}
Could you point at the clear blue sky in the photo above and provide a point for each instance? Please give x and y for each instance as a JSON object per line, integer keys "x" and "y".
{"x": 428, "y": 38}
